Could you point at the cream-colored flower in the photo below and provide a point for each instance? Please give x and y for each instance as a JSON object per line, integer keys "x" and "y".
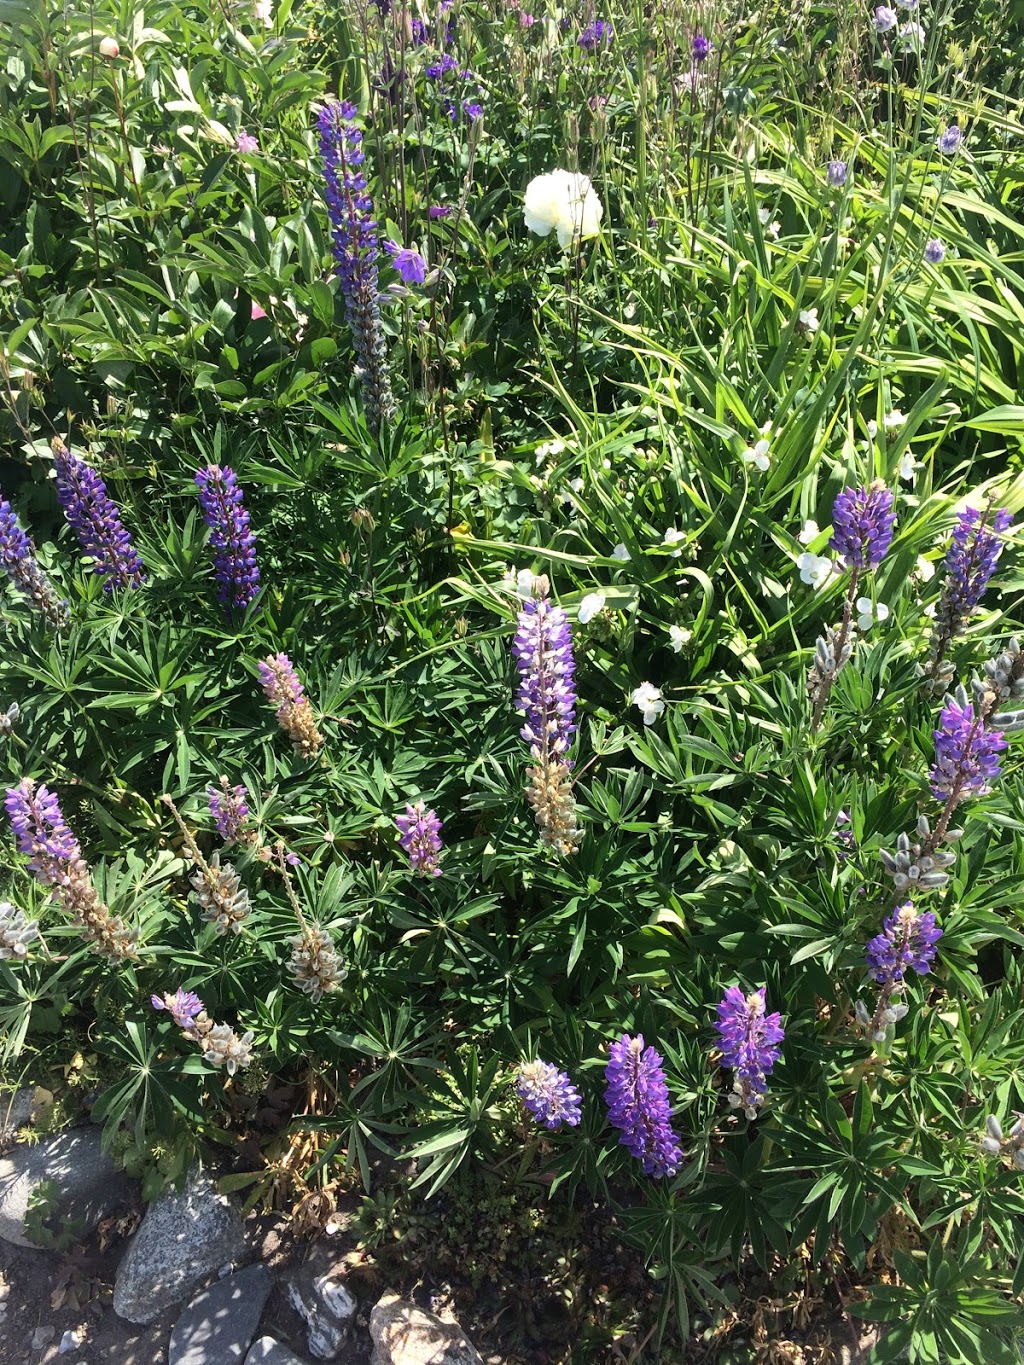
{"x": 563, "y": 202}
{"x": 590, "y": 606}
{"x": 647, "y": 698}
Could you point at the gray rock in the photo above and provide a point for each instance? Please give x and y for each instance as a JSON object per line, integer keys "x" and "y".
{"x": 326, "y": 1307}
{"x": 185, "y": 1236}
{"x": 85, "y": 1185}
{"x": 42, "y": 1336}
{"x": 267, "y": 1351}
{"x": 406, "y": 1335}
{"x": 68, "y": 1342}
{"x": 218, "y": 1325}
{"x": 16, "y": 1107}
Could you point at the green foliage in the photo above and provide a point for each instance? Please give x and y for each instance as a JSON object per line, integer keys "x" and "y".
{"x": 167, "y": 301}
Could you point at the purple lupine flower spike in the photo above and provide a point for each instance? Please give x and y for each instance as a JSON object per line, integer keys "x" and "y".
{"x": 229, "y": 810}
{"x": 184, "y": 1007}
{"x": 966, "y": 753}
{"x": 862, "y": 525}
{"x": 547, "y": 694}
{"x": 750, "y": 1041}
{"x": 596, "y": 35}
{"x": 354, "y": 234}
{"x": 638, "y": 1104}
{"x": 548, "y": 1094}
{"x": 907, "y": 941}
{"x": 96, "y": 521}
{"x": 970, "y": 563}
{"x": 285, "y": 692}
{"x": 700, "y": 48}
{"x": 41, "y": 830}
{"x": 421, "y": 838}
{"x": 24, "y": 570}
{"x": 234, "y": 544}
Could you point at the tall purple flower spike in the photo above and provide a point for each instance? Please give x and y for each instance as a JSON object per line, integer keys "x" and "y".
{"x": 234, "y": 544}
{"x": 749, "y": 1039}
{"x": 96, "y": 521}
{"x": 638, "y": 1105}
{"x": 862, "y": 525}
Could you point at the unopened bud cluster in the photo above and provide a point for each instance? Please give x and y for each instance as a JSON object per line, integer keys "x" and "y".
{"x": 224, "y": 901}
{"x": 315, "y": 966}
{"x": 919, "y": 864}
{"x": 1010, "y": 1145}
{"x": 219, "y": 1043}
{"x": 1003, "y": 682}
{"x": 17, "y": 932}
{"x": 9, "y": 719}
{"x": 832, "y": 653}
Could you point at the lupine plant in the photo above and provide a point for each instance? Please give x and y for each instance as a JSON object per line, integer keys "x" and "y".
{"x": 521, "y": 677}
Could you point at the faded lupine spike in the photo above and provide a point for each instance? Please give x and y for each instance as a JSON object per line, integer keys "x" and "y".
{"x": 25, "y": 571}
{"x": 285, "y": 692}
{"x": 547, "y": 695}
{"x": 56, "y": 862}
{"x": 832, "y": 653}
{"x": 993, "y": 1126}
{"x": 315, "y": 966}
{"x": 220, "y": 1044}
{"x": 1010, "y": 1145}
{"x": 224, "y": 901}
{"x": 17, "y": 933}
{"x": 548, "y": 1094}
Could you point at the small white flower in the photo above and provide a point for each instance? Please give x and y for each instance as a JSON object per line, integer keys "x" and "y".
{"x": 925, "y": 569}
{"x": 522, "y": 580}
{"x": 809, "y": 533}
{"x": 678, "y": 637}
{"x": 808, "y": 320}
{"x": 590, "y": 606}
{"x": 576, "y": 485}
{"x": 621, "y": 554}
{"x": 814, "y": 569}
{"x": 908, "y": 467}
{"x": 868, "y": 613}
{"x": 647, "y": 698}
{"x": 758, "y": 455}
{"x": 773, "y": 228}
{"x": 892, "y": 421}
{"x": 872, "y": 429}
{"x": 930, "y": 609}
{"x": 548, "y": 449}
{"x": 264, "y": 12}
{"x": 673, "y": 537}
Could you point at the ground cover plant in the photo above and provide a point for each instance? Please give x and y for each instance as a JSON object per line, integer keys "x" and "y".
{"x": 511, "y": 623}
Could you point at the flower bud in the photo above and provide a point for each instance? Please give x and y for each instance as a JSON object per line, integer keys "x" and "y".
{"x": 992, "y": 1124}
{"x": 109, "y": 48}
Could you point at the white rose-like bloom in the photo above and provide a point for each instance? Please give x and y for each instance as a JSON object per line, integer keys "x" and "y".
{"x": 647, "y": 698}
{"x": 590, "y": 606}
{"x": 563, "y": 202}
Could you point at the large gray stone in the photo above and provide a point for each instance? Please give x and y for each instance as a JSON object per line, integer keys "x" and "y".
{"x": 406, "y": 1335}
{"x": 85, "y": 1185}
{"x": 326, "y": 1307}
{"x": 185, "y": 1236}
{"x": 267, "y": 1351}
{"x": 219, "y": 1324}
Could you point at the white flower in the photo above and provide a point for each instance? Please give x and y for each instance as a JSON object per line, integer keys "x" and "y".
{"x": 773, "y": 228}
{"x": 679, "y": 637}
{"x": 109, "y": 48}
{"x": 563, "y": 202}
{"x": 673, "y": 537}
{"x": 590, "y": 606}
{"x": 621, "y": 554}
{"x": 808, "y": 320}
{"x": 264, "y": 12}
{"x": 576, "y": 485}
{"x": 892, "y": 421}
{"x": 872, "y": 429}
{"x": 925, "y": 569}
{"x": 522, "y": 581}
{"x": 908, "y": 466}
{"x": 757, "y": 455}
{"x": 549, "y": 448}
{"x": 868, "y": 613}
{"x": 814, "y": 569}
{"x": 648, "y": 698}
{"x": 913, "y": 37}
{"x": 809, "y": 533}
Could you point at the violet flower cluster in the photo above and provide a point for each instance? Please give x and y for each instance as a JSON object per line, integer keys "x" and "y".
{"x": 862, "y": 525}
{"x": 597, "y": 35}
{"x": 966, "y": 753}
{"x": 420, "y": 831}
{"x": 56, "y": 862}
{"x": 220, "y": 1045}
{"x": 638, "y": 1105}
{"x": 542, "y": 649}
{"x": 24, "y": 570}
{"x": 229, "y": 810}
{"x": 970, "y": 563}
{"x": 356, "y": 248}
{"x": 749, "y": 1039}
{"x": 96, "y": 521}
{"x": 548, "y": 1094}
{"x": 907, "y": 942}
{"x": 234, "y": 544}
